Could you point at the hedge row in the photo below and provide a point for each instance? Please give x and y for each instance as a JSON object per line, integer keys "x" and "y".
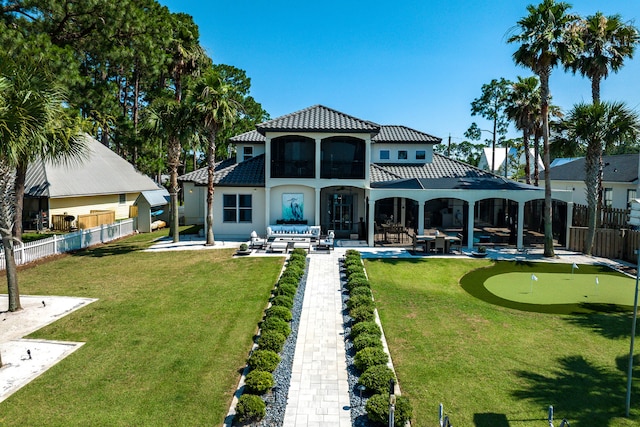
{"x": 274, "y": 330}
{"x": 370, "y": 358}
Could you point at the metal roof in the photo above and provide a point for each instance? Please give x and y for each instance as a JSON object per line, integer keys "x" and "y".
{"x": 318, "y": 118}
{"x": 155, "y": 198}
{"x": 101, "y": 172}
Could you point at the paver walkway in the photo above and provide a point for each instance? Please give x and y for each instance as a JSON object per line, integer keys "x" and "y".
{"x": 319, "y": 391}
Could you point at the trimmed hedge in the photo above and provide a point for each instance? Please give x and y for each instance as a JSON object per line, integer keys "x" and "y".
{"x": 366, "y": 340}
{"x": 363, "y": 313}
{"x": 258, "y": 382}
{"x": 280, "y": 312}
{"x": 276, "y": 324}
{"x": 286, "y": 289}
{"x": 368, "y": 357}
{"x": 370, "y": 328}
{"x": 376, "y": 378}
{"x": 250, "y": 408}
{"x": 359, "y": 300}
{"x": 271, "y": 340}
{"x": 356, "y": 282}
{"x": 283, "y": 301}
{"x": 377, "y": 408}
{"x": 361, "y": 290}
{"x": 264, "y": 360}
{"x": 352, "y": 269}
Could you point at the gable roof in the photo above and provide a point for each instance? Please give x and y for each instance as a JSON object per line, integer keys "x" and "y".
{"x": 617, "y": 168}
{"x": 101, "y": 172}
{"x": 231, "y": 174}
{"x": 318, "y": 118}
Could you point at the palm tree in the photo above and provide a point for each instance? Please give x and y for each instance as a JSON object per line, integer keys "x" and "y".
{"x": 547, "y": 37}
{"x": 217, "y": 109}
{"x": 171, "y": 120}
{"x": 607, "y": 42}
{"x": 524, "y": 102}
{"x": 598, "y": 126}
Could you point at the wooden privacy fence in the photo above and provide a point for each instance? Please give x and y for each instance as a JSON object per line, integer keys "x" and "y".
{"x": 608, "y": 243}
{"x": 93, "y": 219}
{"x": 609, "y": 217}
{"x": 80, "y": 239}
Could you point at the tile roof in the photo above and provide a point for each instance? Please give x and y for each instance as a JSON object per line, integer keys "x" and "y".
{"x": 387, "y": 134}
{"x": 251, "y": 136}
{"x": 231, "y": 174}
{"x": 391, "y": 133}
{"x": 318, "y": 118}
{"x": 618, "y": 168}
{"x": 442, "y": 173}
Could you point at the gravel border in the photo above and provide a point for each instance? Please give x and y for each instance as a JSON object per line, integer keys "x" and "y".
{"x": 276, "y": 400}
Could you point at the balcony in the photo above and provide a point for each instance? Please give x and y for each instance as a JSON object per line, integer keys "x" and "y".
{"x": 342, "y": 169}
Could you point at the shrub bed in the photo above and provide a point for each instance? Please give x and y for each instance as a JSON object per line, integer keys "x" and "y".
{"x": 258, "y": 382}
{"x": 263, "y": 360}
{"x": 363, "y": 341}
{"x": 376, "y": 379}
{"x": 370, "y": 328}
{"x": 250, "y": 408}
{"x": 276, "y": 324}
{"x": 280, "y": 312}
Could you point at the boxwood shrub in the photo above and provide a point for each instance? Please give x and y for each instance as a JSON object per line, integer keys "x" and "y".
{"x": 283, "y": 300}
{"x": 376, "y": 378}
{"x": 286, "y": 289}
{"x": 250, "y": 408}
{"x": 289, "y": 281}
{"x": 292, "y": 273}
{"x": 352, "y": 253}
{"x": 368, "y": 357}
{"x": 358, "y": 300}
{"x": 370, "y": 328}
{"x": 352, "y": 269}
{"x": 258, "y": 382}
{"x": 280, "y": 312}
{"x": 276, "y": 324}
{"x": 366, "y": 340}
{"x": 264, "y": 360}
{"x": 358, "y": 281}
{"x": 377, "y": 408}
{"x": 362, "y": 313}
{"x": 271, "y": 340}
{"x": 360, "y": 290}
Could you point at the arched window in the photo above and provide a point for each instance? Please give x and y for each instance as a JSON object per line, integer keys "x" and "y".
{"x": 342, "y": 157}
{"x": 293, "y": 157}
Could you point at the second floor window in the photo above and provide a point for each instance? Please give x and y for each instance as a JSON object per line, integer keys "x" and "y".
{"x": 402, "y": 155}
{"x": 421, "y": 155}
{"x": 293, "y": 157}
{"x": 384, "y": 154}
{"x": 247, "y": 153}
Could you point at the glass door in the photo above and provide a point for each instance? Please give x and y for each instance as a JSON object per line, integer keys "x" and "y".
{"x": 341, "y": 213}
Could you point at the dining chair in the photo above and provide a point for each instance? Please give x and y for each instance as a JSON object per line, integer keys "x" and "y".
{"x": 440, "y": 244}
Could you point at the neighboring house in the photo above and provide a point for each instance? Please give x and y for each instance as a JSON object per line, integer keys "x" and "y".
{"x": 325, "y": 168}
{"x": 487, "y": 155}
{"x": 103, "y": 181}
{"x": 619, "y": 181}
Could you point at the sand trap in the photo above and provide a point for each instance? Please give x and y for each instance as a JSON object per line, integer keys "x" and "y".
{"x": 19, "y": 367}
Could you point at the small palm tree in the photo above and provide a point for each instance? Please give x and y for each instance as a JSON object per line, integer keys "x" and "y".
{"x": 595, "y": 125}
{"x": 547, "y": 37}
{"x": 216, "y": 109}
{"x": 524, "y": 102}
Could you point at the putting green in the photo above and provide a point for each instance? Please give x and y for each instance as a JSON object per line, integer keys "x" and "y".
{"x": 558, "y": 288}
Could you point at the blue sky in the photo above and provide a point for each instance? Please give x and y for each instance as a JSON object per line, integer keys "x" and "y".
{"x": 413, "y": 63}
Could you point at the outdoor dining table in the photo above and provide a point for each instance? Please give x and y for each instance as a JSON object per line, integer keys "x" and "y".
{"x": 396, "y": 230}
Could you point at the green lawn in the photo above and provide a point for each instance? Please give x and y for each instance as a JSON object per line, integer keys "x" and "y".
{"x": 493, "y": 366}
{"x": 164, "y": 343}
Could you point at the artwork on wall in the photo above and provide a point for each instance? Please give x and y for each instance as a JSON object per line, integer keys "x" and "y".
{"x": 292, "y": 206}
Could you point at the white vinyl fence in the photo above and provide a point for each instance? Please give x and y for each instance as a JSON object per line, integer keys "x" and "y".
{"x": 80, "y": 239}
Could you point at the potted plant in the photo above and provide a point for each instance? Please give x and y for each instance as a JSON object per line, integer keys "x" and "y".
{"x": 243, "y": 250}
{"x": 480, "y": 253}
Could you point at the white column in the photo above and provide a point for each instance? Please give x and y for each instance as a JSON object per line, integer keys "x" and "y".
{"x": 519, "y": 242}
{"x": 317, "y": 210}
{"x": 318, "y": 162}
{"x": 267, "y": 207}
{"x": 420, "y": 229}
{"x": 403, "y": 211}
{"x": 370, "y": 222}
{"x": 569, "y": 223}
{"x": 470, "y": 224}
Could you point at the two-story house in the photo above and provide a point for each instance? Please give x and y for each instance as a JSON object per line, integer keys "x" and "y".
{"x": 322, "y": 167}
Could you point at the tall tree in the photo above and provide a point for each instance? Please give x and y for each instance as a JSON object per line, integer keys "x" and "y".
{"x": 596, "y": 126}
{"x": 524, "y": 103}
{"x": 217, "y": 109}
{"x": 547, "y": 37}
{"x": 608, "y": 41}
{"x": 491, "y": 105}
